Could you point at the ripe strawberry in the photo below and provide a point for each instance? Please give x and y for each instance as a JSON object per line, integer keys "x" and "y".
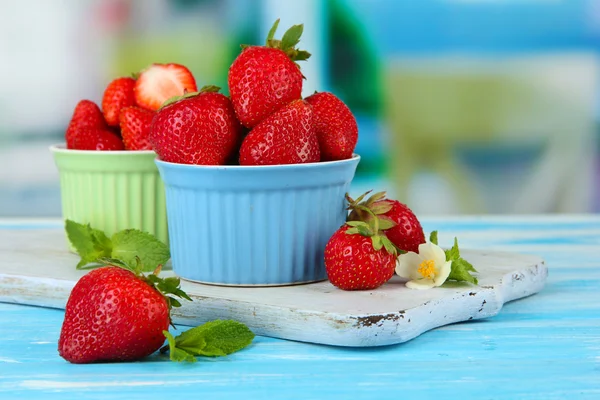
{"x": 97, "y": 139}
{"x": 263, "y": 79}
{"x": 135, "y": 128}
{"x": 286, "y": 137}
{"x": 113, "y": 314}
{"x": 118, "y": 95}
{"x": 359, "y": 257}
{"x": 199, "y": 128}
{"x": 86, "y": 115}
{"x": 335, "y": 125}
{"x": 159, "y": 82}
{"x": 406, "y": 232}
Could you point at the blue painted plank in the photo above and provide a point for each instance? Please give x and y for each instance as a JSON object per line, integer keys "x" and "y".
{"x": 543, "y": 347}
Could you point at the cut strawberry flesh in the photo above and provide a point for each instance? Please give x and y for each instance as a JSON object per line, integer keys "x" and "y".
{"x": 160, "y": 82}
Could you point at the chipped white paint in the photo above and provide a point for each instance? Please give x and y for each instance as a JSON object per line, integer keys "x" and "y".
{"x": 38, "y": 270}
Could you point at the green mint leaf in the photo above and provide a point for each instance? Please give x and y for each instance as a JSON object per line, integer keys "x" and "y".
{"x": 214, "y": 338}
{"x": 91, "y": 244}
{"x": 116, "y": 262}
{"x": 453, "y": 253}
{"x": 131, "y": 244}
{"x": 468, "y": 265}
{"x": 433, "y": 237}
{"x": 175, "y": 353}
{"x": 291, "y": 37}
{"x": 459, "y": 272}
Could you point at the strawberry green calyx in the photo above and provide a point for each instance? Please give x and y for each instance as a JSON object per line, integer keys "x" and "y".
{"x": 288, "y": 42}
{"x": 204, "y": 89}
{"x": 168, "y": 287}
{"x": 378, "y": 238}
{"x": 209, "y": 89}
{"x": 373, "y": 207}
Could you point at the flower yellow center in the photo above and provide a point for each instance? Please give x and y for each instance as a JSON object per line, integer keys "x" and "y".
{"x": 427, "y": 269}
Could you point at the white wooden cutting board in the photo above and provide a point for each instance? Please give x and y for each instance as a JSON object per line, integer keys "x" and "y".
{"x": 36, "y": 269}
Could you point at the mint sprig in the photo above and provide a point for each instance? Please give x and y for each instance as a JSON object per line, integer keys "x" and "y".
{"x": 131, "y": 247}
{"x": 213, "y": 339}
{"x": 460, "y": 269}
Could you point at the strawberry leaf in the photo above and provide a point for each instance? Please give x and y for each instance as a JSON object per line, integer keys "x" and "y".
{"x": 381, "y": 207}
{"x": 375, "y": 197}
{"x": 388, "y": 245}
{"x": 352, "y": 231}
{"x": 356, "y": 223}
{"x": 433, "y": 237}
{"x": 302, "y": 55}
{"x": 291, "y": 37}
{"x": 377, "y": 243}
{"x": 271, "y": 33}
{"x": 386, "y": 223}
{"x": 170, "y": 288}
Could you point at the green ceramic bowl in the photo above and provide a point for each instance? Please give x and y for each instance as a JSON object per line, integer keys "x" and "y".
{"x": 112, "y": 190}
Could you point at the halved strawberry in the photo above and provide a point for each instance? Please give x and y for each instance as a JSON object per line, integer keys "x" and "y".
{"x": 159, "y": 82}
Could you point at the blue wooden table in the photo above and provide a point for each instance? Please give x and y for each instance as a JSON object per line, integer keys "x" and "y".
{"x": 546, "y": 346}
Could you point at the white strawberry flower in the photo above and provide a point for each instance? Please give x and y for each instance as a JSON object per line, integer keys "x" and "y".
{"x": 426, "y": 269}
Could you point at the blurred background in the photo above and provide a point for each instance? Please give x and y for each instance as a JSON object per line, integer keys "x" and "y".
{"x": 463, "y": 106}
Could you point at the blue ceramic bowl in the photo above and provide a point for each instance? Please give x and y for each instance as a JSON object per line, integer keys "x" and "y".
{"x": 254, "y": 225}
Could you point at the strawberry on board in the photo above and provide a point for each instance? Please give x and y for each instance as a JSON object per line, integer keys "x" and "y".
{"x": 114, "y": 314}
{"x": 262, "y": 79}
{"x": 335, "y": 125}
{"x": 198, "y": 128}
{"x": 406, "y": 234}
{"x": 359, "y": 256}
{"x": 159, "y": 82}
{"x": 117, "y": 95}
{"x": 87, "y": 115}
{"x": 135, "y": 125}
{"x": 286, "y": 137}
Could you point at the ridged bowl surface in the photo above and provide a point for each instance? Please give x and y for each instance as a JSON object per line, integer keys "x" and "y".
{"x": 254, "y": 225}
{"x": 112, "y": 190}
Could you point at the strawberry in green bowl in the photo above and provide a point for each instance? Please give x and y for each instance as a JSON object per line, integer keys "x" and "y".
{"x": 108, "y": 177}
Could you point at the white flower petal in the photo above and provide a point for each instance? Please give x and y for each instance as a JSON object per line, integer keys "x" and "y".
{"x": 430, "y": 251}
{"x": 420, "y": 284}
{"x": 442, "y": 273}
{"x": 407, "y": 265}
{"x": 438, "y": 254}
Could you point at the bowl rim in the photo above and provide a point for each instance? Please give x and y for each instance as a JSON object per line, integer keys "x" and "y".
{"x": 62, "y": 148}
{"x": 318, "y": 164}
